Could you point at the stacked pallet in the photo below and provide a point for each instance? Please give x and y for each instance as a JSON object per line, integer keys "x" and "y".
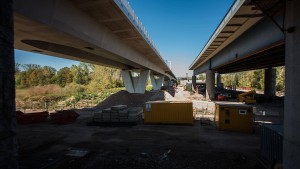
{"x": 119, "y": 113}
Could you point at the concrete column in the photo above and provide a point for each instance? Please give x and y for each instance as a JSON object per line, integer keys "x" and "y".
{"x": 210, "y": 84}
{"x": 8, "y": 142}
{"x": 219, "y": 81}
{"x": 291, "y": 147}
{"x": 194, "y": 81}
{"x": 156, "y": 82}
{"x": 270, "y": 82}
{"x": 128, "y": 81}
{"x": 135, "y": 84}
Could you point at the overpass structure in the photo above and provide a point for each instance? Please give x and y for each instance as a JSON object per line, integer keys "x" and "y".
{"x": 103, "y": 32}
{"x": 259, "y": 34}
{"x": 248, "y": 38}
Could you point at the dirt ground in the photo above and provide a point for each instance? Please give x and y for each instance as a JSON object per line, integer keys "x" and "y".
{"x": 81, "y": 145}
{"x": 138, "y": 146}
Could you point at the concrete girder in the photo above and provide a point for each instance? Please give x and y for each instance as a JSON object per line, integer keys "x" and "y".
{"x": 259, "y": 37}
{"x": 52, "y": 22}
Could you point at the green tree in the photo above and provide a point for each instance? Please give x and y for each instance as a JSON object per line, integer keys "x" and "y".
{"x": 280, "y": 78}
{"x": 81, "y": 73}
{"x": 258, "y": 79}
{"x": 64, "y": 76}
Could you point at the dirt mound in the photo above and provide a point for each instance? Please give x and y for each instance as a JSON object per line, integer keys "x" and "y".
{"x": 130, "y": 99}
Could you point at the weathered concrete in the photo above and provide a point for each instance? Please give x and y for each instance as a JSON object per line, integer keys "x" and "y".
{"x": 8, "y": 143}
{"x": 219, "y": 80}
{"x": 194, "y": 79}
{"x": 135, "y": 84}
{"x": 210, "y": 84}
{"x": 270, "y": 82}
{"x": 291, "y": 149}
{"x": 156, "y": 82}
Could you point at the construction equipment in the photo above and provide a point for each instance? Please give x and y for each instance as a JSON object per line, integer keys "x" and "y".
{"x": 248, "y": 97}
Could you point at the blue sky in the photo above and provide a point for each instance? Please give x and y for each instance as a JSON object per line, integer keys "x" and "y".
{"x": 179, "y": 28}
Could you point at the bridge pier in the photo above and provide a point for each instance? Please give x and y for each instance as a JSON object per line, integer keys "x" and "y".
{"x": 270, "y": 82}
{"x": 135, "y": 82}
{"x": 8, "y": 142}
{"x": 156, "y": 81}
{"x": 291, "y": 147}
{"x": 219, "y": 81}
{"x": 194, "y": 79}
{"x": 210, "y": 84}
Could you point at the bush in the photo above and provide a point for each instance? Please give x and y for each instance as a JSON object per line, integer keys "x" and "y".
{"x": 74, "y": 88}
{"x": 45, "y": 90}
{"x": 149, "y": 87}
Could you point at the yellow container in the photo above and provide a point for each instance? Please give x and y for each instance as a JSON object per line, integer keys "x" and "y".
{"x": 168, "y": 112}
{"x": 234, "y": 117}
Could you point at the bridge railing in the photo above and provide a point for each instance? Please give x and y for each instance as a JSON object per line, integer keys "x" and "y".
{"x": 235, "y": 6}
{"x": 128, "y": 11}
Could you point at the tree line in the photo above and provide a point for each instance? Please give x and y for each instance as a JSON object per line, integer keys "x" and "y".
{"x": 253, "y": 79}
{"x": 95, "y": 77}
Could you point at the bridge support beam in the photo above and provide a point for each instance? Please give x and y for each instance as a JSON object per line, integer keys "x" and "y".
{"x": 156, "y": 81}
{"x": 210, "y": 84}
{"x": 8, "y": 142}
{"x": 270, "y": 82}
{"x": 291, "y": 147}
{"x": 135, "y": 82}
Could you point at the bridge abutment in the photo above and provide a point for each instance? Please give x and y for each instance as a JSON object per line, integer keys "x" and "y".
{"x": 135, "y": 82}
{"x": 210, "y": 84}
{"x": 291, "y": 148}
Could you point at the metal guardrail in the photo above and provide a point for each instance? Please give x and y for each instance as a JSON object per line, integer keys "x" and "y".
{"x": 129, "y": 12}
{"x": 271, "y": 142}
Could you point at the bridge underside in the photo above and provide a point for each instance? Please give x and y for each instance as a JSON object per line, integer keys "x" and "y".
{"x": 271, "y": 57}
{"x": 101, "y": 34}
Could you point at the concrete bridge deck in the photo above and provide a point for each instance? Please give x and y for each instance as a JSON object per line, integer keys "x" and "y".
{"x": 104, "y": 32}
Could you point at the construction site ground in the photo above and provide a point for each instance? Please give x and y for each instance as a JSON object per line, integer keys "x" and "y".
{"x": 80, "y": 145}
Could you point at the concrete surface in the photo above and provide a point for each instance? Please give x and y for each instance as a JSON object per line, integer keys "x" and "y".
{"x": 270, "y": 82}
{"x": 210, "y": 84}
{"x": 135, "y": 84}
{"x": 8, "y": 142}
{"x": 291, "y": 149}
{"x": 100, "y": 34}
{"x": 156, "y": 82}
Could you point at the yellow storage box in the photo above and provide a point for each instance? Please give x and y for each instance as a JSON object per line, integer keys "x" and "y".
{"x": 234, "y": 117}
{"x": 169, "y": 112}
